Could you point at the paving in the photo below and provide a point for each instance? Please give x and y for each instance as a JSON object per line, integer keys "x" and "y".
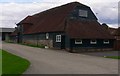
{"x": 102, "y": 53}
{"x": 47, "y": 61}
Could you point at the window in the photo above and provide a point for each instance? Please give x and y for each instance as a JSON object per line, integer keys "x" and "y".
{"x": 93, "y": 42}
{"x": 78, "y": 41}
{"x": 47, "y": 35}
{"x": 58, "y": 38}
{"x": 106, "y": 41}
{"x": 83, "y": 13}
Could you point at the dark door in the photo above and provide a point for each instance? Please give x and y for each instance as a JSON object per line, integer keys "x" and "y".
{"x": 19, "y": 37}
{"x": 63, "y": 42}
{"x": 3, "y": 36}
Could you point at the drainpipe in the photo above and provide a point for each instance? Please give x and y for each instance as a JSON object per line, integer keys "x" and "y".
{"x": 21, "y": 34}
{"x": 37, "y": 39}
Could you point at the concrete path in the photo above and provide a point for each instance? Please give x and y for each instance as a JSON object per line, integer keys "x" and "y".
{"x": 46, "y": 61}
{"x": 102, "y": 53}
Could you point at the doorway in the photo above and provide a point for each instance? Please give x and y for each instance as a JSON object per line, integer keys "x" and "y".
{"x": 63, "y": 42}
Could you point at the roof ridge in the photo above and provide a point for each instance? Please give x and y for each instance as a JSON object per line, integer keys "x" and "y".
{"x": 75, "y": 3}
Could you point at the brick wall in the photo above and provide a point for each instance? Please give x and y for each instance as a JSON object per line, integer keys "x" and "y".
{"x": 48, "y": 43}
{"x": 117, "y": 45}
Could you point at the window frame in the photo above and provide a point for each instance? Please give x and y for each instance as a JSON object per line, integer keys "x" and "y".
{"x": 84, "y": 13}
{"x": 58, "y": 38}
{"x": 79, "y": 42}
{"x": 47, "y": 35}
{"x": 93, "y": 41}
{"x": 106, "y": 42}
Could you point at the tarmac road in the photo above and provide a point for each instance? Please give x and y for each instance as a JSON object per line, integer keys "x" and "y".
{"x": 47, "y": 61}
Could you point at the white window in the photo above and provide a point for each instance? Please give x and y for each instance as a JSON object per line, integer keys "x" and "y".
{"x": 83, "y": 13}
{"x": 47, "y": 35}
{"x": 106, "y": 41}
{"x": 93, "y": 42}
{"x": 58, "y": 38}
{"x": 78, "y": 41}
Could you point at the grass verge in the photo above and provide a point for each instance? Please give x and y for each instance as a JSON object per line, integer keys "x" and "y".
{"x": 113, "y": 57}
{"x": 31, "y": 45}
{"x": 13, "y": 65}
{"x": 0, "y": 62}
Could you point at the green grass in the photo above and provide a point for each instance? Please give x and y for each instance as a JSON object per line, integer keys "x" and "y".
{"x": 13, "y": 65}
{"x": 0, "y": 62}
{"x": 32, "y": 45}
{"x": 8, "y": 41}
{"x": 113, "y": 57}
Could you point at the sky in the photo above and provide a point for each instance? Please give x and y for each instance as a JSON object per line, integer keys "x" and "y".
{"x": 13, "y": 11}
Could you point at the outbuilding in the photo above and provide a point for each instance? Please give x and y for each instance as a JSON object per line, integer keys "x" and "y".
{"x": 5, "y": 32}
{"x": 71, "y": 26}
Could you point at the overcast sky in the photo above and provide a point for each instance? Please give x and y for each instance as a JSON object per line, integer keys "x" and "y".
{"x": 13, "y": 11}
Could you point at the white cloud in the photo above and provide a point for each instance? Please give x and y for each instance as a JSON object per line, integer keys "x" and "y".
{"x": 113, "y": 25}
{"x": 14, "y": 12}
{"x": 107, "y": 13}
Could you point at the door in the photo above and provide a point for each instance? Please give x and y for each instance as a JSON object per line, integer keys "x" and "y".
{"x": 19, "y": 37}
{"x": 63, "y": 42}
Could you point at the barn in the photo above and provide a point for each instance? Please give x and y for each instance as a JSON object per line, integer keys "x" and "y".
{"x": 5, "y": 32}
{"x": 117, "y": 41}
{"x": 71, "y": 26}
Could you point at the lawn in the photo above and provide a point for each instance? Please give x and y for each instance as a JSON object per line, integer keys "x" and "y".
{"x": 0, "y": 62}
{"x": 113, "y": 57}
{"x": 31, "y": 45}
{"x": 13, "y": 65}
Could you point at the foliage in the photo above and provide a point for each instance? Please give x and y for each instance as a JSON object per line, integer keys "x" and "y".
{"x": 113, "y": 57}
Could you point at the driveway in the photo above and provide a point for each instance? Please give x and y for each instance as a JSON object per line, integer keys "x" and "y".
{"x": 46, "y": 61}
{"x": 102, "y": 53}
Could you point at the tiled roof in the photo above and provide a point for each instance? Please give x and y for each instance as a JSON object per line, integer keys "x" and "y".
{"x": 7, "y": 29}
{"x": 51, "y": 20}
{"x": 28, "y": 19}
{"x": 118, "y": 31}
{"x": 87, "y": 30}
{"x": 54, "y": 20}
